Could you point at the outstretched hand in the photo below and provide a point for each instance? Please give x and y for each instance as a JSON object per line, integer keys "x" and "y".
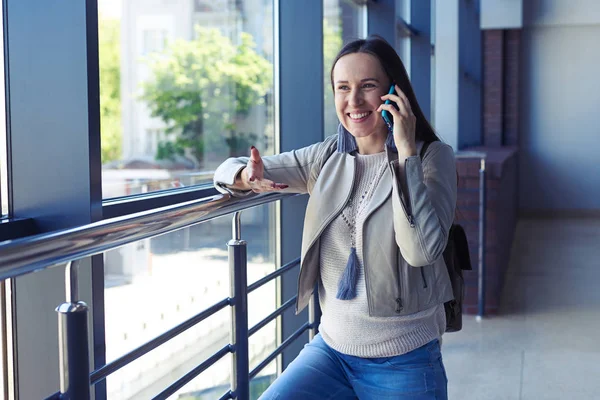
{"x": 252, "y": 177}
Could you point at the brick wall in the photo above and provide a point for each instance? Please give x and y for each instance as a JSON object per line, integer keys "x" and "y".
{"x": 501, "y": 49}
{"x": 501, "y": 216}
{"x": 512, "y": 48}
{"x": 500, "y": 126}
{"x": 493, "y": 87}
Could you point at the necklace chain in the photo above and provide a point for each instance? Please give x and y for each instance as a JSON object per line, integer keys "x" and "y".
{"x": 355, "y": 208}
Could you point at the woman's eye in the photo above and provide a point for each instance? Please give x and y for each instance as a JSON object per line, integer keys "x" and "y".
{"x": 368, "y": 85}
{"x": 343, "y": 87}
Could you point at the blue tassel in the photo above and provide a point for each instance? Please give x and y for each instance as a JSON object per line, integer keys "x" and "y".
{"x": 347, "y": 286}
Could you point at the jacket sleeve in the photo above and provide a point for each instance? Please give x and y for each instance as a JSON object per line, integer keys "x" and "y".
{"x": 294, "y": 168}
{"x": 424, "y": 200}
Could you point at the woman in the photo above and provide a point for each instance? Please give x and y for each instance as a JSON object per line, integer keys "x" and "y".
{"x": 376, "y": 225}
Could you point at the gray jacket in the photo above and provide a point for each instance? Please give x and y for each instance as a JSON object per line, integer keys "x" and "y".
{"x": 403, "y": 264}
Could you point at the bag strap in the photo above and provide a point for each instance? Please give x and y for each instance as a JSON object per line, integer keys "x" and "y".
{"x": 328, "y": 150}
{"x": 322, "y": 157}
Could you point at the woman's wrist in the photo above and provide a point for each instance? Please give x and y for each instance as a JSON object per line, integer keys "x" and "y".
{"x": 406, "y": 150}
{"x": 241, "y": 180}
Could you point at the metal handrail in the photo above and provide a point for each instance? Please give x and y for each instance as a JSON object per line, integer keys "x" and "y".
{"x": 22, "y": 256}
{"x": 26, "y": 255}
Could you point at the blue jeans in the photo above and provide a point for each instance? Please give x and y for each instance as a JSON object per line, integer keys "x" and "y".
{"x": 321, "y": 373}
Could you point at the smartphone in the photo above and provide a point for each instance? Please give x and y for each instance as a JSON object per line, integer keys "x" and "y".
{"x": 389, "y": 120}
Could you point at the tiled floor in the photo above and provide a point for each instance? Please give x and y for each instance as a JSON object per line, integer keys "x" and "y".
{"x": 545, "y": 344}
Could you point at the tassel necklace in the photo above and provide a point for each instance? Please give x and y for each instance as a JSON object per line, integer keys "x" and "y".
{"x": 356, "y": 205}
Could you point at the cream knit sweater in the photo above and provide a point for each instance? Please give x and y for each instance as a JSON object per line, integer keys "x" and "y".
{"x": 345, "y": 324}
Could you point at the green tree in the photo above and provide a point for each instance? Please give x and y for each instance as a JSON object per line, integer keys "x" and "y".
{"x": 109, "y": 49}
{"x": 201, "y": 88}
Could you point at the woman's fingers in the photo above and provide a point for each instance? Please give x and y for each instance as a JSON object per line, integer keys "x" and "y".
{"x": 401, "y": 101}
{"x": 266, "y": 185}
{"x": 404, "y": 99}
{"x": 255, "y": 165}
{"x": 255, "y": 155}
{"x": 402, "y": 109}
{"x": 255, "y": 172}
{"x": 392, "y": 110}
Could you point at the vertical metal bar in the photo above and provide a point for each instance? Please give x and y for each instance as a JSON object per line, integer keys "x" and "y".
{"x": 186, "y": 238}
{"x": 4, "y": 337}
{"x": 99, "y": 322}
{"x": 314, "y": 315}
{"x": 237, "y": 226}
{"x": 481, "y": 249}
{"x": 240, "y": 384}
{"x": 12, "y": 342}
{"x": 74, "y": 368}
{"x": 71, "y": 273}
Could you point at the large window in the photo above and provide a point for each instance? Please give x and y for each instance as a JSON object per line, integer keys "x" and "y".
{"x": 153, "y": 285}
{"x": 343, "y": 21}
{"x": 183, "y": 85}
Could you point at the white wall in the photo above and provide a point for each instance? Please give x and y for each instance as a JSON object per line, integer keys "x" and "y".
{"x": 501, "y": 14}
{"x": 560, "y": 118}
{"x": 561, "y": 12}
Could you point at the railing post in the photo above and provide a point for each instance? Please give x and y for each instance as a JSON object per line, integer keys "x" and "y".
{"x": 240, "y": 385}
{"x": 74, "y": 366}
{"x": 481, "y": 249}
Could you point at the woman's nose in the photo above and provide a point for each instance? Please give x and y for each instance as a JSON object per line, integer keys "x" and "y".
{"x": 356, "y": 98}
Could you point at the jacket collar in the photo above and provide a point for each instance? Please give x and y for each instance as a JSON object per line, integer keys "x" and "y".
{"x": 347, "y": 143}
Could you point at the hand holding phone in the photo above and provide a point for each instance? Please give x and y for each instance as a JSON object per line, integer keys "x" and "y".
{"x": 389, "y": 120}
{"x": 400, "y": 119}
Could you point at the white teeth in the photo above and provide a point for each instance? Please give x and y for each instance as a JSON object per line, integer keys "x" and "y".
{"x": 359, "y": 116}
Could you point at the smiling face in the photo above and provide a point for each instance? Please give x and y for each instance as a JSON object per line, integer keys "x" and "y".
{"x": 359, "y": 81}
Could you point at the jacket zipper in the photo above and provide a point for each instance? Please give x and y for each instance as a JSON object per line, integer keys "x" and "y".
{"x": 399, "y": 298}
{"x": 406, "y": 207}
{"x": 423, "y": 276}
{"x": 410, "y": 217}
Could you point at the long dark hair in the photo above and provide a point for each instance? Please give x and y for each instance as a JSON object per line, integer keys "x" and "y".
{"x": 379, "y": 48}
